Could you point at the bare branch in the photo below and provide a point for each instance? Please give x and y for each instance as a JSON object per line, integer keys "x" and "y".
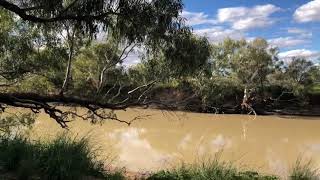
{"x": 108, "y": 66}
{"x": 118, "y": 93}
{"x": 127, "y": 52}
{"x": 107, "y": 93}
{"x": 129, "y": 95}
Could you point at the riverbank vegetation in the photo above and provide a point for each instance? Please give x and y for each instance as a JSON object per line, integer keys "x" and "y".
{"x": 75, "y": 54}
{"x": 68, "y": 158}
{"x": 209, "y": 170}
{"x": 61, "y": 158}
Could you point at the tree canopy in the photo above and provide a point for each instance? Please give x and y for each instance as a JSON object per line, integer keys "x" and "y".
{"x": 43, "y": 38}
{"x": 71, "y": 53}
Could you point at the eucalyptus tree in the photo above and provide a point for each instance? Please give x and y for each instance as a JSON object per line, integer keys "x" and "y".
{"x": 247, "y": 63}
{"x": 184, "y": 56}
{"x": 146, "y": 22}
{"x": 298, "y": 76}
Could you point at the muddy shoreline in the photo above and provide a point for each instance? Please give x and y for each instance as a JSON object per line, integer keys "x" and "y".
{"x": 311, "y": 111}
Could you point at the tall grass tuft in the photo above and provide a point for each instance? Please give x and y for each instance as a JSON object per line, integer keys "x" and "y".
{"x": 63, "y": 158}
{"x": 209, "y": 170}
{"x": 304, "y": 171}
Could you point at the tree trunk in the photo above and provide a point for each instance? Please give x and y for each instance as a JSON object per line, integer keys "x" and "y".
{"x": 246, "y": 104}
{"x": 70, "y": 57}
{"x": 245, "y": 98}
{"x": 101, "y": 79}
{"x": 68, "y": 72}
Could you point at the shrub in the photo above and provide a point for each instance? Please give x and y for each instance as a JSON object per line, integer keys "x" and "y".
{"x": 63, "y": 158}
{"x": 211, "y": 170}
{"x": 304, "y": 171}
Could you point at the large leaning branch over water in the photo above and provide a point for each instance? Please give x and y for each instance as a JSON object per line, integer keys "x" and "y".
{"x": 49, "y": 103}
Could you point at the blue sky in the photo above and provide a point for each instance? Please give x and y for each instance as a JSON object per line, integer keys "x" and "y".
{"x": 292, "y": 25}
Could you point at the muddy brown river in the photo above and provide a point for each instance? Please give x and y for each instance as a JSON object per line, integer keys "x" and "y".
{"x": 269, "y": 144}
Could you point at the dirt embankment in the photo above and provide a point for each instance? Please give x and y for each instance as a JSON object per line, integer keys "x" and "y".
{"x": 186, "y": 100}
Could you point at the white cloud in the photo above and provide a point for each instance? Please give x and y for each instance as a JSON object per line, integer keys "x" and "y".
{"x": 134, "y": 57}
{"x": 308, "y": 12}
{"x": 300, "y": 32}
{"x": 218, "y": 34}
{"x": 304, "y": 53}
{"x": 286, "y": 42}
{"x": 243, "y": 18}
{"x": 197, "y": 18}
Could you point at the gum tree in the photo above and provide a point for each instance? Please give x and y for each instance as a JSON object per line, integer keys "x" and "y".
{"x": 142, "y": 22}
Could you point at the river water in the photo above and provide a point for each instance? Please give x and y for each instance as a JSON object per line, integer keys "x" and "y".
{"x": 164, "y": 139}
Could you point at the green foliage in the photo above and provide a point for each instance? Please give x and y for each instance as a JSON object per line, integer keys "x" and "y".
{"x": 10, "y": 122}
{"x": 304, "y": 171}
{"x": 31, "y": 47}
{"x": 216, "y": 91}
{"x": 298, "y": 77}
{"x": 249, "y": 62}
{"x": 94, "y": 61}
{"x": 213, "y": 170}
{"x": 150, "y": 70}
{"x": 16, "y": 47}
{"x": 186, "y": 54}
{"x": 63, "y": 158}
{"x": 134, "y": 20}
{"x": 13, "y": 150}
{"x": 35, "y": 56}
{"x": 315, "y": 89}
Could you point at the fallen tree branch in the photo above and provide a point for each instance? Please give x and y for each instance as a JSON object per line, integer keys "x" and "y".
{"x": 49, "y": 103}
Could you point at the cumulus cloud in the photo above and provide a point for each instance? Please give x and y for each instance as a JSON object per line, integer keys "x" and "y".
{"x": 300, "y": 32}
{"x": 303, "y": 53}
{"x": 243, "y": 18}
{"x": 197, "y": 18}
{"x": 308, "y": 12}
{"x": 286, "y": 42}
{"x": 218, "y": 34}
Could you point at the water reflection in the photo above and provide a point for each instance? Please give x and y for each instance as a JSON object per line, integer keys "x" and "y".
{"x": 136, "y": 152}
{"x": 267, "y": 143}
{"x": 276, "y": 163}
{"x": 220, "y": 142}
{"x": 185, "y": 142}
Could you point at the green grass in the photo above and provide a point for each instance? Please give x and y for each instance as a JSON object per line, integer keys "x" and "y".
{"x": 210, "y": 170}
{"x": 63, "y": 158}
{"x": 304, "y": 171}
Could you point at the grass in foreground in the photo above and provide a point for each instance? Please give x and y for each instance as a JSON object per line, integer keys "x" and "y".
{"x": 63, "y": 158}
{"x": 66, "y": 158}
{"x": 211, "y": 170}
{"x": 304, "y": 171}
